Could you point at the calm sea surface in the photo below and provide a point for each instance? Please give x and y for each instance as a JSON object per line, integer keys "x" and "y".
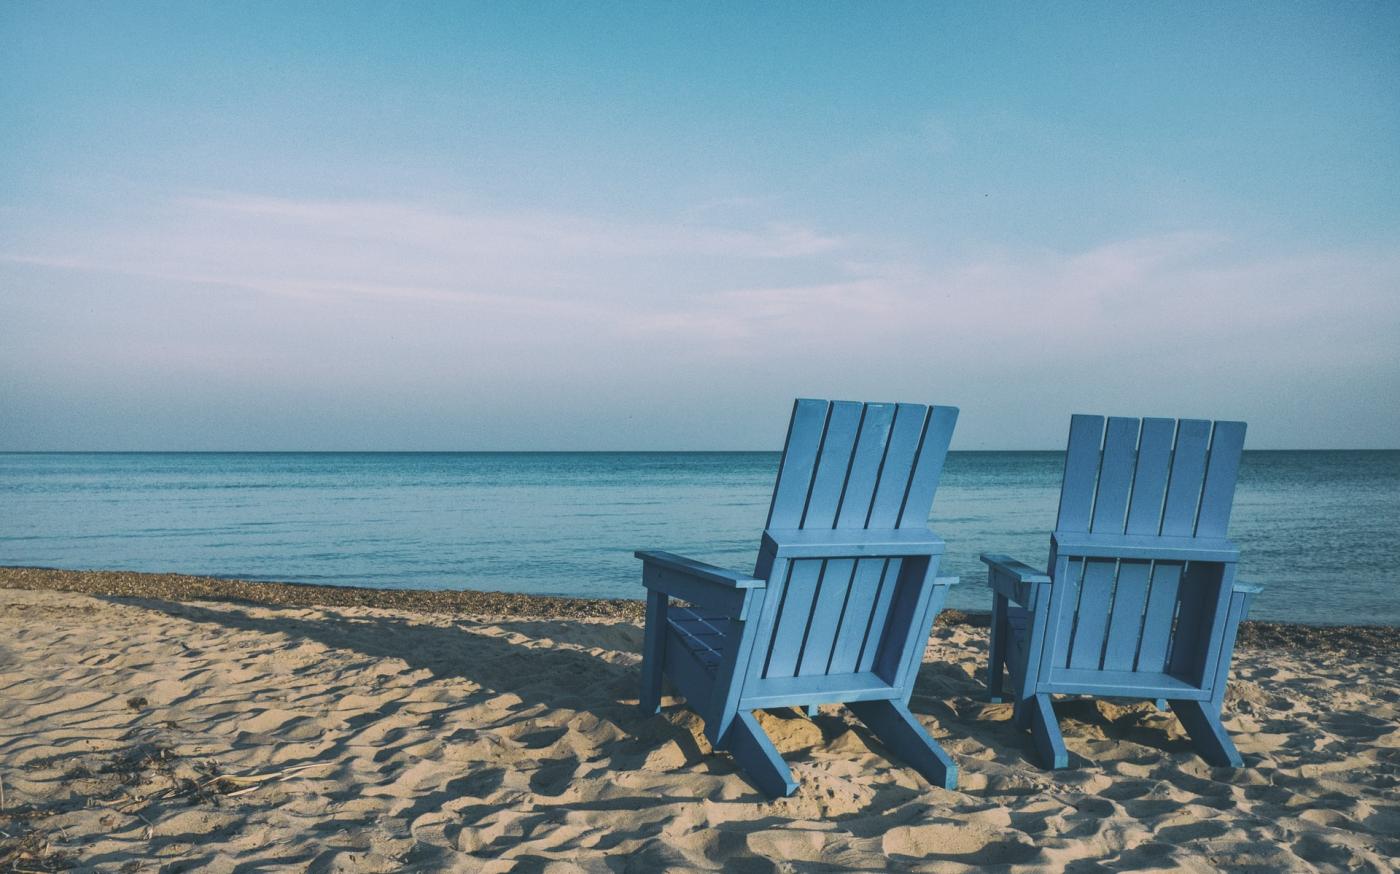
{"x": 1320, "y": 530}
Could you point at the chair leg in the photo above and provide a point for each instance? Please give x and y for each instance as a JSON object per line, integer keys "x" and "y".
{"x": 747, "y": 742}
{"x": 653, "y": 653}
{"x": 1045, "y": 731}
{"x": 996, "y": 650}
{"x": 1021, "y": 713}
{"x": 812, "y": 710}
{"x": 898, "y": 730}
{"x": 1208, "y": 736}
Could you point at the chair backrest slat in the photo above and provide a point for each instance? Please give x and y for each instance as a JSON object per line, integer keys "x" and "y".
{"x": 799, "y": 458}
{"x": 834, "y": 465}
{"x": 928, "y": 467}
{"x": 1184, "y": 487}
{"x": 1115, "y": 475}
{"x": 1154, "y": 462}
{"x": 864, "y": 472}
{"x": 1218, "y": 494}
{"x": 900, "y": 453}
{"x": 1081, "y": 472}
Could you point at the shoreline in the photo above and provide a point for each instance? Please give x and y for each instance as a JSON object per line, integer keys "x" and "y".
{"x": 1365, "y": 640}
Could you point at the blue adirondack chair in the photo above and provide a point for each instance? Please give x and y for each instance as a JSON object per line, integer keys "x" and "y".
{"x": 840, "y": 604}
{"x": 1141, "y": 599}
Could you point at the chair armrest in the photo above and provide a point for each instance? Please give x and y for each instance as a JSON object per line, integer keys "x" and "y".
{"x": 1014, "y": 579}
{"x": 1144, "y": 547}
{"x": 1247, "y": 588}
{"x": 699, "y": 569}
{"x": 1019, "y": 571}
{"x": 704, "y": 585}
{"x": 946, "y": 581}
{"x": 852, "y": 542}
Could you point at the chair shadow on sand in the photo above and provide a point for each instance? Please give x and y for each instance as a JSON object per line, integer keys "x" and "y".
{"x": 494, "y": 663}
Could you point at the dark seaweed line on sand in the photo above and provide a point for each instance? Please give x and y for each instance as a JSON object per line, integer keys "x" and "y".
{"x": 1359, "y": 639}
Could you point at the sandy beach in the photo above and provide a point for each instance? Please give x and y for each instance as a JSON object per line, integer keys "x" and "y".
{"x": 167, "y": 723}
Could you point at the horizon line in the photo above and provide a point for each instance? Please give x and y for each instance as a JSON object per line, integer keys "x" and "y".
{"x": 556, "y": 451}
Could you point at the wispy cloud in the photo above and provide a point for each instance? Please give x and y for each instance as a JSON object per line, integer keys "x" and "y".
{"x": 550, "y": 298}
{"x": 359, "y": 249}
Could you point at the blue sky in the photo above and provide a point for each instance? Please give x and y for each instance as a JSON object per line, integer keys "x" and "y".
{"x": 634, "y": 226}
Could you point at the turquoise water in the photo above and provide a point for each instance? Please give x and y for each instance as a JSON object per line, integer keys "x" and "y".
{"x": 1318, "y": 529}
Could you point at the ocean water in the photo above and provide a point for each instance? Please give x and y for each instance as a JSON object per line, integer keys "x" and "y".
{"x": 1320, "y": 530}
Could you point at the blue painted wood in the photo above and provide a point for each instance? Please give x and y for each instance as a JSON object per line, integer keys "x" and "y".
{"x": 1115, "y": 476}
{"x": 855, "y": 620}
{"x": 1017, "y": 629}
{"x": 1012, "y": 579}
{"x": 1184, "y": 486}
{"x": 1204, "y": 601}
{"x": 864, "y": 472}
{"x": 654, "y": 639}
{"x": 755, "y": 753}
{"x": 1042, "y": 616}
{"x": 928, "y": 467}
{"x": 913, "y": 588}
{"x": 794, "y": 617}
{"x": 1218, "y": 494}
{"x": 1240, "y": 597}
{"x": 1154, "y": 459}
{"x": 1091, "y": 621}
{"x": 1125, "y": 684}
{"x": 933, "y": 600}
{"x": 906, "y": 435}
{"x": 852, "y": 543}
{"x": 1159, "y": 616}
{"x": 1137, "y": 546}
{"x": 774, "y": 692}
{"x": 1202, "y": 722}
{"x": 804, "y": 440}
{"x": 1184, "y": 647}
{"x": 906, "y": 609}
{"x": 1081, "y": 473}
{"x": 843, "y": 593}
{"x": 1140, "y": 600}
{"x": 723, "y": 703}
{"x": 719, "y": 597}
{"x": 998, "y": 637}
{"x": 898, "y": 730}
{"x": 1066, "y": 611}
{"x": 1045, "y": 730}
{"x": 1125, "y": 622}
{"x": 879, "y": 615}
{"x": 829, "y": 481}
{"x": 702, "y": 634}
{"x": 707, "y": 573}
{"x": 827, "y": 609}
{"x": 685, "y": 670}
{"x": 1034, "y": 658}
